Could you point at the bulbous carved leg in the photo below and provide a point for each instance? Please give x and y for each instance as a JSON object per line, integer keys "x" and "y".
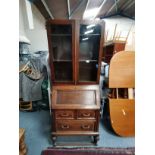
{"x": 96, "y": 139}
{"x": 54, "y": 140}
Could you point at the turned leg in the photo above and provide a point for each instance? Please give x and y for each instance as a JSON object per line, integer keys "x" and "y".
{"x": 54, "y": 140}
{"x": 96, "y": 139}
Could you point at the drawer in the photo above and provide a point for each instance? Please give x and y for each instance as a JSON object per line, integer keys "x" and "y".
{"x": 85, "y": 114}
{"x": 64, "y": 114}
{"x": 75, "y": 125}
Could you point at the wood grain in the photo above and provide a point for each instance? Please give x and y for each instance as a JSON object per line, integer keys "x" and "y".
{"x": 122, "y": 116}
{"x": 76, "y": 97}
{"x": 122, "y": 70}
{"x": 122, "y": 75}
{"x": 75, "y": 25}
{"x": 75, "y": 125}
{"x": 75, "y": 110}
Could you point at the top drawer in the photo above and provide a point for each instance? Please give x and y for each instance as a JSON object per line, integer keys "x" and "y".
{"x": 64, "y": 114}
{"x": 85, "y": 114}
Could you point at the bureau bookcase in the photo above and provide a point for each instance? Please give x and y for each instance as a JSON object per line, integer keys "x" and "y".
{"x": 75, "y": 53}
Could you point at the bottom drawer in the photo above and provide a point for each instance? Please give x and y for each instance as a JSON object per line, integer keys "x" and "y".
{"x": 75, "y": 125}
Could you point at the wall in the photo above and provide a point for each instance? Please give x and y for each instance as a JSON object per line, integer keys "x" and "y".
{"x": 21, "y": 18}
{"x": 38, "y": 35}
{"x": 123, "y": 27}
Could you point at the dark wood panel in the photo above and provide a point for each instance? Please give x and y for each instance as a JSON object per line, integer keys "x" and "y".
{"x": 76, "y": 97}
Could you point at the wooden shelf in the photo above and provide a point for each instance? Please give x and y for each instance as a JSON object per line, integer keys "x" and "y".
{"x": 88, "y": 60}
{"x": 62, "y": 60}
{"x": 70, "y": 56}
{"x": 55, "y": 35}
{"x": 90, "y": 34}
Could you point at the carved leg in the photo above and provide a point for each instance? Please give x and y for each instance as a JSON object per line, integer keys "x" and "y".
{"x": 54, "y": 140}
{"x": 96, "y": 139}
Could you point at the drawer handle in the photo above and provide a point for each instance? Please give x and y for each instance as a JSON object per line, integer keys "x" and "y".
{"x": 65, "y": 126}
{"x": 85, "y": 126}
{"x": 86, "y": 114}
{"x": 64, "y": 115}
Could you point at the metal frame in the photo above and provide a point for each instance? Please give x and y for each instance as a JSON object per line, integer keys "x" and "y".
{"x": 119, "y": 11}
{"x": 125, "y": 5}
{"x": 69, "y": 11}
{"x": 85, "y": 8}
{"x": 112, "y": 7}
{"x": 76, "y": 8}
{"x": 100, "y": 7}
{"x": 47, "y": 8}
{"x": 127, "y": 16}
{"x": 129, "y": 6}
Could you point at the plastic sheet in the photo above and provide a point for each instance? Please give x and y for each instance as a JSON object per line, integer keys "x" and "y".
{"x": 31, "y": 80}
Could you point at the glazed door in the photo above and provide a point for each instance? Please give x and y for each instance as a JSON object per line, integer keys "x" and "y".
{"x": 61, "y": 45}
{"x": 89, "y": 51}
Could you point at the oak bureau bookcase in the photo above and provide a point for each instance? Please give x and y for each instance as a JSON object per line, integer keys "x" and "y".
{"x": 75, "y": 53}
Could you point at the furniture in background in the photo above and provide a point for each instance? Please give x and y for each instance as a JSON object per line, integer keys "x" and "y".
{"x": 121, "y": 101}
{"x": 23, "y": 105}
{"x": 115, "y": 44}
{"x": 75, "y": 50}
{"x": 112, "y": 47}
{"x": 22, "y": 145}
{"x": 33, "y": 79}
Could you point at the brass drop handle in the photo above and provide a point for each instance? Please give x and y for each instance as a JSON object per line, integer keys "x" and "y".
{"x": 65, "y": 126}
{"x": 64, "y": 115}
{"x": 86, "y": 114}
{"x": 85, "y": 126}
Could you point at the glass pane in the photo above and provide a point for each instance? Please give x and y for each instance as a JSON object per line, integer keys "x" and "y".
{"x": 90, "y": 29}
{"x": 63, "y": 71}
{"x": 89, "y": 48}
{"x": 87, "y": 71}
{"x": 89, "y": 52}
{"x": 62, "y": 48}
{"x": 61, "y": 29}
{"x": 61, "y": 42}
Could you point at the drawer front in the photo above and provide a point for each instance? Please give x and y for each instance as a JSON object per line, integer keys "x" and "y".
{"x": 64, "y": 114}
{"x": 85, "y": 114}
{"x": 75, "y": 125}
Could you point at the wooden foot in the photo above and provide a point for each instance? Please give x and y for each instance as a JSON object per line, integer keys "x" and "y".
{"x": 96, "y": 139}
{"x": 54, "y": 140}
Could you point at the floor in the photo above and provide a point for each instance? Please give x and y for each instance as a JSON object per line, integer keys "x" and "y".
{"x": 37, "y": 136}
